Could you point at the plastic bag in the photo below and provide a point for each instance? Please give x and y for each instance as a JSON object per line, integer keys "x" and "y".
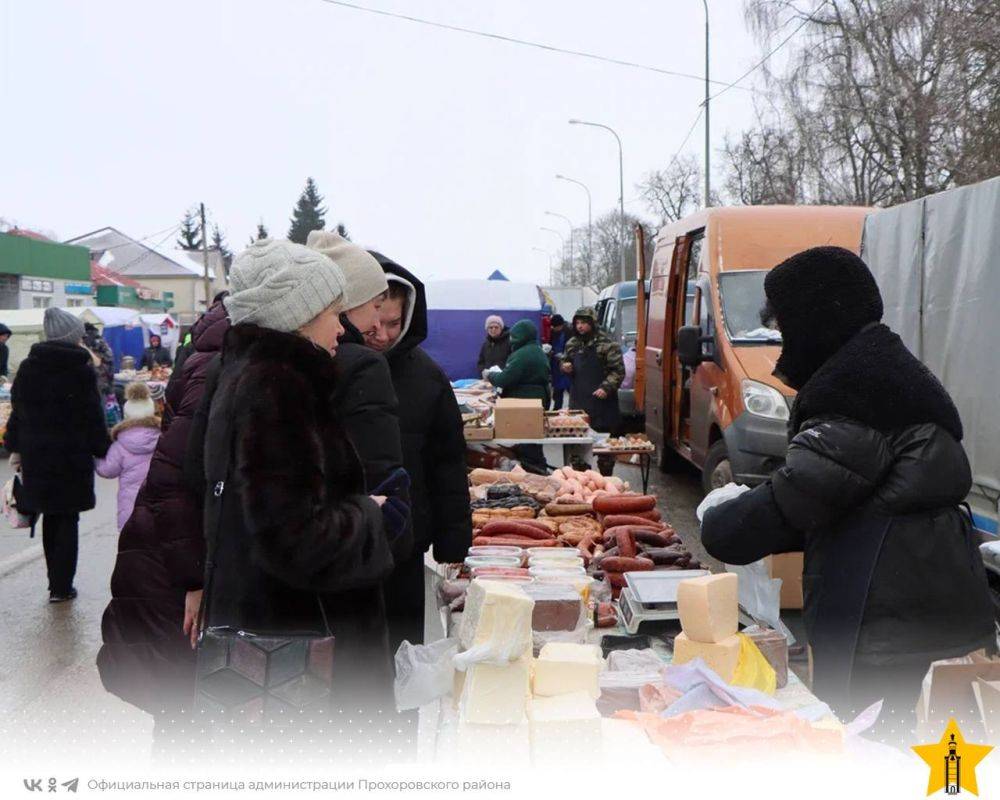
{"x": 424, "y": 672}
{"x": 717, "y": 497}
{"x": 14, "y": 517}
{"x": 760, "y": 595}
{"x": 753, "y": 670}
{"x": 635, "y": 661}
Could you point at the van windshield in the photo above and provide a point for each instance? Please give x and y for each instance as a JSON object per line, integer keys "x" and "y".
{"x": 742, "y": 294}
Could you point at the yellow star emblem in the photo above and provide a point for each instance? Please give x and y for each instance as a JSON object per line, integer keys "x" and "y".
{"x": 952, "y": 761}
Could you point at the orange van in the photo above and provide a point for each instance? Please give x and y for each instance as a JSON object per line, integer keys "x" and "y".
{"x": 710, "y": 397}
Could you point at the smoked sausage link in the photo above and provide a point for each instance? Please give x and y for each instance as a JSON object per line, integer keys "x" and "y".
{"x": 512, "y": 528}
{"x": 624, "y": 504}
{"x": 615, "y": 564}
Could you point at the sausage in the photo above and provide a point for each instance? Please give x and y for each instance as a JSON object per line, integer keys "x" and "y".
{"x": 614, "y": 520}
{"x": 626, "y": 544}
{"x": 664, "y": 555}
{"x": 624, "y": 504}
{"x": 513, "y": 541}
{"x": 515, "y": 528}
{"x": 616, "y": 579}
{"x": 619, "y": 564}
{"x": 549, "y": 526}
{"x": 605, "y": 616}
{"x": 568, "y": 509}
{"x": 652, "y": 516}
{"x": 655, "y": 538}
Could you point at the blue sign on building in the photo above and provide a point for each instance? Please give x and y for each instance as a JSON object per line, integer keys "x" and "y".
{"x": 79, "y": 288}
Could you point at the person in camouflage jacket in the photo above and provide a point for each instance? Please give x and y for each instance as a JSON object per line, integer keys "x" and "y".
{"x": 595, "y": 362}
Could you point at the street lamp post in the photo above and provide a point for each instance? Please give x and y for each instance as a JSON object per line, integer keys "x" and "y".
{"x": 569, "y": 222}
{"x": 621, "y": 187}
{"x": 590, "y": 226}
{"x": 562, "y": 238}
{"x": 552, "y": 280}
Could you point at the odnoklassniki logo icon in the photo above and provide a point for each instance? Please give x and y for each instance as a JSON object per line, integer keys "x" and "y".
{"x": 952, "y": 761}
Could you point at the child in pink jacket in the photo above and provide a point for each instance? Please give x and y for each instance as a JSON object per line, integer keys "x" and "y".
{"x": 133, "y": 442}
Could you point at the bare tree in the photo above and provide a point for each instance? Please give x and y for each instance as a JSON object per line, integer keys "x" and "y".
{"x": 673, "y": 192}
{"x": 765, "y": 166}
{"x": 888, "y": 100}
{"x": 605, "y": 267}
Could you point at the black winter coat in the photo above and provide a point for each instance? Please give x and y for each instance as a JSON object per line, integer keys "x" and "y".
{"x": 293, "y": 525}
{"x": 433, "y": 441}
{"x": 494, "y": 352}
{"x": 155, "y": 357}
{"x": 57, "y": 426}
{"x": 146, "y": 659}
{"x": 870, "y": 491}
{"x": 365, "y": 402}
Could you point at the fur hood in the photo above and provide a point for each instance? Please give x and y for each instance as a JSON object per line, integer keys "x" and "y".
{"x": 132, "y": 424}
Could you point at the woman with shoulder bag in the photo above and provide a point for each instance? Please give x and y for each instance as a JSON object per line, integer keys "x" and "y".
{"x": 295, "y": 546}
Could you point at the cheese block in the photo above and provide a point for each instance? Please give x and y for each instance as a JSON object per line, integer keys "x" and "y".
{"x": 564, "y": 728}
{"x": 709, "y": 607}
{"x": 496, "y": 694}
{"x": 721, "y": 657}
{"x": 564, "y": 668}
{"x": 496, "y": 621}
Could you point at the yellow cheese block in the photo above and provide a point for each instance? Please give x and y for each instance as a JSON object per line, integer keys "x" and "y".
{"x": 721, "y": 657}
{"x": 496, "y": 620}
{"x": 564, "y": 668}
{"x": 709, "y": 607}
{"x": 496, "y": 695}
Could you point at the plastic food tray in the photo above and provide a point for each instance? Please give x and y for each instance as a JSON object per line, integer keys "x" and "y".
{"x": 659, "y": 586}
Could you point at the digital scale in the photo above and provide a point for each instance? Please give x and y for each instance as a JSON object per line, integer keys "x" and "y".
{"x": 650, "y": 598}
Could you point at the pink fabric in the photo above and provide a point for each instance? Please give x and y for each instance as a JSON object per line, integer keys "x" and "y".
{"x": 128, "y": 460}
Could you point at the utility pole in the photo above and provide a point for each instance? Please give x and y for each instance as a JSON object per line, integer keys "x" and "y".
{"x": 708, "y": 144}
{"x": 204, "y": 252}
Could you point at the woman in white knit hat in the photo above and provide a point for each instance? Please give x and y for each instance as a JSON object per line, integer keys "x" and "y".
{"x": 295, "y": 543}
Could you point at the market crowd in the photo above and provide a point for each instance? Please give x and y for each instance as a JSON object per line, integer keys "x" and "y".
{"x": 309, "y": 452}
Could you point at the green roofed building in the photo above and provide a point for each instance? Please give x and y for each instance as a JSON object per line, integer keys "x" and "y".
{"x": 38, "y": 273}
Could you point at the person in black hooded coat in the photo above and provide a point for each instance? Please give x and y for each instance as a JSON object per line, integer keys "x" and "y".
{"x": 433, "y": 450}
{"x": 870, "y": 490}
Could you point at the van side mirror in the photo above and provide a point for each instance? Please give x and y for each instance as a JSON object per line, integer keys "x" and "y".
{"x": 689, "y": 341}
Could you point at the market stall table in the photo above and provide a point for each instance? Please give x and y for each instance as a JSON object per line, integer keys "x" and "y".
{"x": 645, "y": 460}
{"x": 558, "y": 451}
{"x": 438, "y": 727}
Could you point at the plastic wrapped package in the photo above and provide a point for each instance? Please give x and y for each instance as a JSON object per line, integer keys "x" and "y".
{"x": 774, "y": 647}
{"x": 635, "y": 661}
{"x": 451, "y": 593}
{"x": 621, "y": 691}
{"x": 496, "y": 623}
{"x": 496, "y": 694}
{"x": 560, "y": 615}
{"x": 424, "y": 672}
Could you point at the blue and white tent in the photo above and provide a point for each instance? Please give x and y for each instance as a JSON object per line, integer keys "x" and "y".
{"x": 456, "y": 318}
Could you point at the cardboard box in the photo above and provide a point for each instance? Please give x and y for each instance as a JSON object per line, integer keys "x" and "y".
{"x": 519, "y": 419}
{"x": 788, "y": 567}
{"x": 478, "y": 434}
{"x": 950, "y": 691}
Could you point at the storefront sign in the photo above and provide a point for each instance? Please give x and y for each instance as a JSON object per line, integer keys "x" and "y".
{"x": 36, "y": 285}
{"x": 79, "y": 288}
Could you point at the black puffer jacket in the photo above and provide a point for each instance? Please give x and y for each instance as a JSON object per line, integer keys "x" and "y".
{"x": 365, "y": 401}
{"x": 57, "y": 425}
{"x": 431, "y": 427}
{"x": 870, "y": 491}
{"x": 293, "y": 522}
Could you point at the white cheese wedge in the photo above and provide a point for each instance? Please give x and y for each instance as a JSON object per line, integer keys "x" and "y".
{"x": 564, "y": 668}
{"x": 721, "y": 657}
{"x": 496, "y": 695}
{"x": 497, "y": 621}
{"x": 709, "y": 607}
{"x": 564, "y": 728}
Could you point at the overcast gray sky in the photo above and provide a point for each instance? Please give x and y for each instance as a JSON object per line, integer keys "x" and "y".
{"x": 435, "y": 147}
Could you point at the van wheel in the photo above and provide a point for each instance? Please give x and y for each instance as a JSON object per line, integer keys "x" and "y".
{"x": 670, "y": 461}
{"x": 718, "y": 469}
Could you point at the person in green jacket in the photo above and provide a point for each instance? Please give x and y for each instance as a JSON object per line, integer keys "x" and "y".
{"x": 526, "y": 375}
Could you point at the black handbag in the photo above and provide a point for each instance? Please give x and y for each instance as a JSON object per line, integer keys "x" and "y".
{"x": 255, "y": 674}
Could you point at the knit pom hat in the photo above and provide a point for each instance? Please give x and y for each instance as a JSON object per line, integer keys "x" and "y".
{"x": 494, "y": 319}
{"x": 281, "y": 285}
{"x": 61, "y": 326}
{"x": 820, "y": 299}
{"x": 363, "y": 275}
{"x": 138, "y": 401}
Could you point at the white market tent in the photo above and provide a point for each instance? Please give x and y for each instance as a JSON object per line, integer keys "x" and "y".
{"x": 26, "y": 328}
